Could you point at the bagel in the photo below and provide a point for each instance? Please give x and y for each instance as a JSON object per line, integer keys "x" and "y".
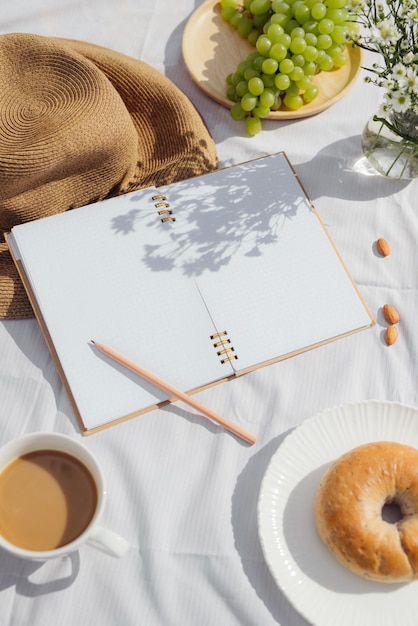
{"x": 349, "y": 504}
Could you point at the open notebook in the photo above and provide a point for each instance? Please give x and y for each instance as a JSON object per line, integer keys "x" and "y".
{"x": 198, "y": 282}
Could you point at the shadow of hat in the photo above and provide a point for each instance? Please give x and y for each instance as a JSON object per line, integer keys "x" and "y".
{"x": 80, "y": 123}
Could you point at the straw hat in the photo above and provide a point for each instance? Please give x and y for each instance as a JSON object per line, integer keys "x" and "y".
{"x": 80, "y": 123}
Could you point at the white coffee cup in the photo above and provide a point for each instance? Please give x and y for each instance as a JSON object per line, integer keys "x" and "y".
{"x": 94, "y": 534}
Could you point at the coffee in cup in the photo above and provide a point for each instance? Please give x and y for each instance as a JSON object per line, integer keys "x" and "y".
{"x": 52, "y": 494}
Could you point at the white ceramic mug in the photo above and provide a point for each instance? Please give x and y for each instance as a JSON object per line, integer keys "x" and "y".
{"x": 94, "y": 534}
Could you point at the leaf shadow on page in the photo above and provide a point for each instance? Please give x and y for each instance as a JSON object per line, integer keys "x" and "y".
{"x": 246, "y": 539}
{"x": 217, "y": 217}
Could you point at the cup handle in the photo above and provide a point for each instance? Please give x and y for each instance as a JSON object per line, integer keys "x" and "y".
{"x": 108, "y": 541}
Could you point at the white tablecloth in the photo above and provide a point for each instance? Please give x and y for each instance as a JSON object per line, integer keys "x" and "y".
{"x": 181, "y": 490}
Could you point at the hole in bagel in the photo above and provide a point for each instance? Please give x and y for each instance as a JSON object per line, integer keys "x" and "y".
{"x": 391, "y": 512}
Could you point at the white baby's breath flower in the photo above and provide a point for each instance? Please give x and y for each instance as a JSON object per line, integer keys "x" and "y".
{"x": 390, "y": 29}
{"x": 400, "y": 101}
{"x": 399, "y": 70}
{"x": 408, "y": 59}
{"x": 409, "y": 80}
{"x": 385, "y": 32}
{"x": 388, "y": 84}
{"x": 384, "y": 109}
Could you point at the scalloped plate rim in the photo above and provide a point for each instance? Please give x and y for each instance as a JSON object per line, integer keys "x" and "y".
{"x": 362, "y": 596}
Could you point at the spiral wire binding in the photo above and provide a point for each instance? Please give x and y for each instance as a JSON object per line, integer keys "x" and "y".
{"x": 226, "y": 349}
{"x": 164, "y": 212}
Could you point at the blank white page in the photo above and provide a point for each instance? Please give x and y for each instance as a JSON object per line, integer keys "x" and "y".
{"x": 108, "y": 272}
{"x": 246, "y": 255}
{"x": 263, "y": 262}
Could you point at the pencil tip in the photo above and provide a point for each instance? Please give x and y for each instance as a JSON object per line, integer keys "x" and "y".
{"x": 92, "y": 340}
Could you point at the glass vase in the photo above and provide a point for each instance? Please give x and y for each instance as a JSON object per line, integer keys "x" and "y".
{"x": 391, "y": 145}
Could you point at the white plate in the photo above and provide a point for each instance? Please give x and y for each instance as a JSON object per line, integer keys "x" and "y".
{"x": 319, "y": 588}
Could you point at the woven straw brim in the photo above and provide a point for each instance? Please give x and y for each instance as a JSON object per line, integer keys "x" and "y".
{"x": 94, "y": 124}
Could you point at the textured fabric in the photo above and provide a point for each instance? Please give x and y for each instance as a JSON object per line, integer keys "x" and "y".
{"x": 80, "y": 123}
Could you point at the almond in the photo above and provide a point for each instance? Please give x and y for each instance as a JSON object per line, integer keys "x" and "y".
{"x": 383, "y": 246}
{"x": 391, "y": 335}
{"x": 391, "y": 314}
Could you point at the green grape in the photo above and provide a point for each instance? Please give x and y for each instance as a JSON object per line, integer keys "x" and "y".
{"x": 338, "y": 16}
{"x": 310, "y": 53}
{"x": 267, "y": 98}
{"x": 235, "y": 19}
{"x": 286, "y": 66}
{"x": 297, "y": 32}
{"x": 326, "y": 26}
{"x": 283, "y": 20}
{"x": 253, "y": 36}
{"x": 268, "y": 80}
{"x": 298, "y": 45}
{"x": 255, "y": 86}
{"x": 270, "y": 66}
{"x": 324, "y": 42}
{"x": 277, "y": 102}
{"x": 237, "y": 112}
{"x": 282, "y": 81}
{"x": 278, "y": 52}
{"x": 284, "y": 39}
{"x": 293, "y": 40}
{"x": 251, "y": 72}
{"x": 293, "y": 102}
{"x": 231, "y": 94}
{"x": 241, "y": 88}
{"x": 290, "y": 25}
{"x": 253, "y": 56}
{"x": 275, "y": 18}
{"x": 339, "y": 60}
{"x": 258, "y": 7}
{"x": 229, "y": 3}
{"x": 263, "y": 45}
{"x": 297, "y": 74}
{"x": 310, "y": 93}
{"x": 327, "y": 64}
{"x": 298, "y": 60}
{"x": 242, "y": 66}
{"x": 245, "y": 26}
{"x": 248, "y": 102}
{"x": 274, "y": 31}
{"x": 261, "y": 111}
{"x": 236, "y": 77}
{"x": 302, "y": 13}
{"x": 304, "y": 83}
{"x": 340, "y": 34}
{"x": 310, "y": 68}
{"x": 311, "y": 27}
{"x": 319, "y": 11}
{"x": 321, "y": 56}
{"x": 227, "y": 13}
{"x": 260, "y": 20}
{"x": 293, "y": 89}
{"x": 253, "y": 126}
{"x": 281, "y": 7}
{"x": 311, "y": 39}
{"x": 336, "y": 4}
{"x": 258, "y": 63}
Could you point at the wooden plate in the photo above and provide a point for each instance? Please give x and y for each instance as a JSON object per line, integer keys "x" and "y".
{"x": 212, "y": 49}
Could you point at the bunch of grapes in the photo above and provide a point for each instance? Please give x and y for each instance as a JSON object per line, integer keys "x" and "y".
{"x": 293, "y": 41}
